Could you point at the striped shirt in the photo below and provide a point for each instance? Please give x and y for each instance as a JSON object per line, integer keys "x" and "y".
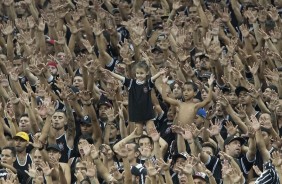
{"x": 269, "y": 175}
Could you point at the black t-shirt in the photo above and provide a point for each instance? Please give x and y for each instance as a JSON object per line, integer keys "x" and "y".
{"x": 140, "y": 106}
{"x": 214, "y": 165}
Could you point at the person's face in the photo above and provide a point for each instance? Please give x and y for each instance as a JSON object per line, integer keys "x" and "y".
{"x": 58, "y": 120}
{"x": 179, "y": 162}
{"x": 118, "y": 19}
{"x": 79, "y": 167}
{"x": 193, "y": 12}
{"x": 132, "y": 154}
{"x": 199, "y": 181}
{"x": 86, "y": 129}
{"x": 53, "y": 70}
{"x": 20, "y": 144}
{"x": 171, "y": 113}
{"x": 198, "y": 120}
{"x": 244, "y": 98}
{"x": 145, "y": 143}
{"x": 182, "y": 178}
{"x": 266, "y": 95}
{"x": 102, "y": 112}
{"x": 24, "y": 124}
{"x": 19, "y": 7}
{"x": 177, "y": 91}
{"x": 82, "y": 142}
{"x": 78, "y": 82}
{"x": 50, "y": 49}
{"x": 10, "y": 140}
{"x": 234, "y": 148}
{"x": 61, "y": 56}
{"x": 232, "y": 98}
{"x": 266, "y": 118}
{"x": 54, "y": 155}
{"x": 37, "y": 157}
{"x": 278, "y": 3}
{"x": 18, "y": 64}
{"x": 208, "y": 150}
{"x": 7, "y": 157}
{"x": 140, "y": 74}
{"x": 158, "y": 57}
{"x": 205, "y": 63}
{"x": 188, "y": 92}
{"x": 198, "y": 64}
{"x": 113, "y": 132}
{"x": 204, "y": 94}
{"x": 218, "y": 110}
{"x": 279, "y": 111}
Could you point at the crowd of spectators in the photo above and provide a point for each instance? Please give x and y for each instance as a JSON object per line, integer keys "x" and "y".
{"x": 140, "y": 91}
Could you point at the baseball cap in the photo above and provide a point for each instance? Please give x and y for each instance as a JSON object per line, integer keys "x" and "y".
{"x": 233, "y": 138}
{"x": 85, "y": 120}
{"x": 107, "y": 103}
{"x": 179, "y": 155}
{"x": 22, "y": 135}
{"x": 202, "y": 176}
{"x": 239, "y": 89}
{"x": 53, "y": 147}
{"x": 201, "y": 112}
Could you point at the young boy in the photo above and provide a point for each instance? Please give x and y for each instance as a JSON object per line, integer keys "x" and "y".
{"x": 188, "y": 108}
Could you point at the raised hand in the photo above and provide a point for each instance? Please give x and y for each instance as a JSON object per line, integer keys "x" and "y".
{"x": 30, "y": 22}
{"x": 273, "y": 13}
{"x": 152, "y": 172}
{"x": 61, "y": 38}
{"x": 244, "y": 30}
{"x": 231, "y": 129}
{"x": 94, "y": 153}
{"x": 187, "y": 168}
{"x": 46, "y": 168}
{"x": 276, "y": 159}
{"x": 215, "y": 128}
{"x": 41, "y": 24}
{"x": 122, "y": 151}
{"x": 31, "y": 170}
{"x": 8, "y": 28}
{"x": 211, "y": 80}
{"x": 255, "y": 123}
{"x": 21, "y": 23}
{"x": 110, "y": 113}
{"x": 162, "y": 165}
{"x": 264, "y": 35}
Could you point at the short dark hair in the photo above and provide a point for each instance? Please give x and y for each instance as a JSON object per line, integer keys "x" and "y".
{"x": 24, "y": 115}
{"x": 195, "y": 87}
{"x": 136, "y": 146}
{"x": 61, "y": 110}
{"x": 13, "y": 150}
{"x": 146, "y": 136}
{"x": 88, "y": 138}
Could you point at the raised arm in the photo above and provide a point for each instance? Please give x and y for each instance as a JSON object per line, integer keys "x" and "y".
{"x": 209, "y": 97}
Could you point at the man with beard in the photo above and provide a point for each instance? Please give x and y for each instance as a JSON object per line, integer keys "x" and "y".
{"x": 233, "y": 153}
{"x": 23, "y": 159}
{"x": 63, "y": 138}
